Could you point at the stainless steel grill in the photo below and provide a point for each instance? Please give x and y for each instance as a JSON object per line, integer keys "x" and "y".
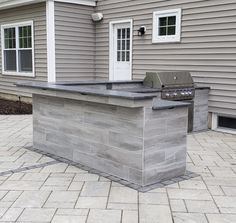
{"x": 174, "y": 85}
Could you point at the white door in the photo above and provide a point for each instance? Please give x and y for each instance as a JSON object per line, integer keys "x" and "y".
{"x": 121, "y": 52}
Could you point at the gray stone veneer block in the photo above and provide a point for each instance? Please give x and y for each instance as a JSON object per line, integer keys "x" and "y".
{"x": 200, "y": 113}
{"x": 139, "y": 145}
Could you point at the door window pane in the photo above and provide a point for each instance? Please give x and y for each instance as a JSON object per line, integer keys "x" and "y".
{"x": 123, "y": 55}
{"x": 123, "y": 33}
{"x": 10, "y": 60}
{"x": 128, "y": 45}
{"x": 128, "y": 33}
{"x": 118, "y": 56}
{"x": 25, "y": 61}
{"x": 118, "y": 44}
{"x": 119, "y": 34}
{"x": 123, "y": 44}
{"x": 127, "y": 56}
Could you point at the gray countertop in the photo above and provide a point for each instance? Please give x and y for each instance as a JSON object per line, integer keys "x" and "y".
{"x": 86, "y": 90}
{"x": 94, "y": 82}
{"x": 164, "y": 104}
{"x": 89, "y": 88}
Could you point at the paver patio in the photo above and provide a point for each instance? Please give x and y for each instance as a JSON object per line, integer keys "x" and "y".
{"x": 44, "y": 190}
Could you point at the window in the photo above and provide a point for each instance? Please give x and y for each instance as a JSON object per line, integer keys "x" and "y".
{"x": 227, "y": 122}
{"x": 123, "y": 44}
{"x": 167, "y": 26}
{"x": 17, "y": 49}
{"x": 223, "y": 123}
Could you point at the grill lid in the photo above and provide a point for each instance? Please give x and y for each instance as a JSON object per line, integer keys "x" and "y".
{"x": 168, "y": 79}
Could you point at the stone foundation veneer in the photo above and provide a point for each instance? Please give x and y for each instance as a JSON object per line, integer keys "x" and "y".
{"x": 139, "y": 144}
{"x": 200, "y": 112}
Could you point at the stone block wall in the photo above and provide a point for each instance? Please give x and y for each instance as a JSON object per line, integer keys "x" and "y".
{"x": 105, "y": 137}
{"x": 164, "y": 144}
{"x": 200, "y": 112}
{"x": 136, "y": 144}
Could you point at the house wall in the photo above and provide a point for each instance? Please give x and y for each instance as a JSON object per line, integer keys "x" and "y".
{"x": 75, "y": 42}
{"x": 37, "y": 13}
{"x": 207, "y": 49}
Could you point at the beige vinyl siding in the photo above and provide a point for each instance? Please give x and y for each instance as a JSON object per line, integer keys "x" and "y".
{"x": 75, "y": 42}
{"x": 207, "y": 49}
{"x": 37, "y": 13}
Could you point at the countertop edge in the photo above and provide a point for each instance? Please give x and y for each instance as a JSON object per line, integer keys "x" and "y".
{"x": 87, "y": 91}
{"x": 164, "y": 104}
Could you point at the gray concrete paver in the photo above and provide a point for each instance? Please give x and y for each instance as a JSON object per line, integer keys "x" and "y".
{"x": 104, "y": 216}
{"x": 37, "y": 215}
{"x": 59, "y": 192}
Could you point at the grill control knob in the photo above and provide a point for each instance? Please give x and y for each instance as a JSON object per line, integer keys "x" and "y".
{"x": 182, "y": 93}
{"x": 167, "y": 95}
{"x": 175, "y": 94}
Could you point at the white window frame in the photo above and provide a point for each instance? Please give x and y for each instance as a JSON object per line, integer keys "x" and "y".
{"x": 16, "y": 26}
{"x": 156, "y": 38}
{"x": 215, "y": 125}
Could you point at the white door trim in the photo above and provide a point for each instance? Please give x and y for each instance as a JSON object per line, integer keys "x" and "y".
{"x": 111, "y": 46}
{"x": 51, "y": 53}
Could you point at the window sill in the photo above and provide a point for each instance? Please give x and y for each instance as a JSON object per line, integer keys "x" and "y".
{"x": 225, "y": 130}
{"x": 166, "y": 40}
{"x": 18, "y": 74}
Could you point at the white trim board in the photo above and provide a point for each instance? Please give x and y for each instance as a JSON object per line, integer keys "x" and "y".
{"x": 16, "y": 3}
{"x": 51, "y": 52}
{"x": 224, "y": 130}
{"x": 111, "y": 44}
{"x": 156, "y": 38}
{"x": 214, "y": 121}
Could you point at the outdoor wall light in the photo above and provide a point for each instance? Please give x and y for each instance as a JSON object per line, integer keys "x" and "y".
{"x": 142, "y": 30}
{"x": 97, "y": 17}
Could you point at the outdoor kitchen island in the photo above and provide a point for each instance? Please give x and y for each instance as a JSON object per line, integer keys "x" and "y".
{"x": 134, "y": 136}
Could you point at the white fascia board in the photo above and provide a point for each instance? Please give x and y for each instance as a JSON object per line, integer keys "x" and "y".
{"x": 79, "y": 2}
{"x": 51, "y": 52}
{"x": 16, "y": 3}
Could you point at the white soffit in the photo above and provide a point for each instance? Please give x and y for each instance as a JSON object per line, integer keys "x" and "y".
{"x": 6, "y": 4}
